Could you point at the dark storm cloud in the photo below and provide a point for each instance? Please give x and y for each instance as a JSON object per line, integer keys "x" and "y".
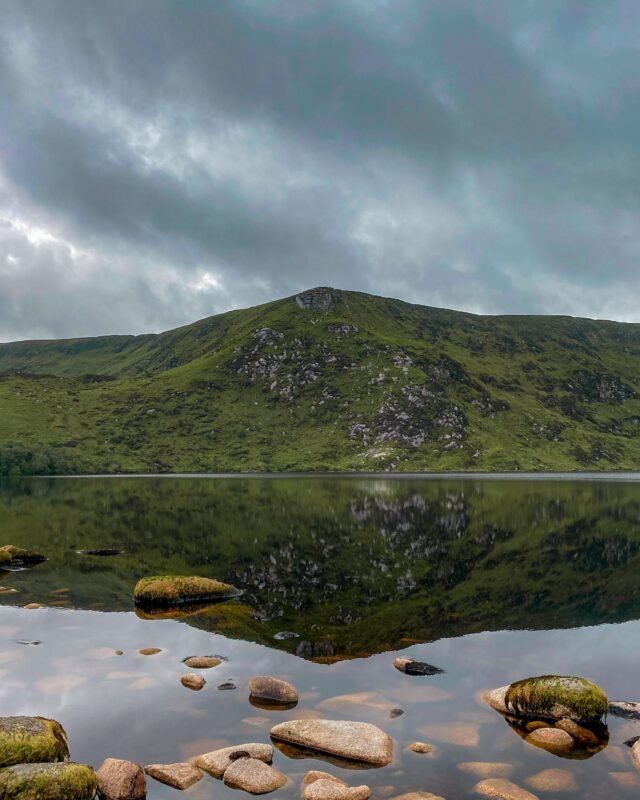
{"x": 161, "y": 161}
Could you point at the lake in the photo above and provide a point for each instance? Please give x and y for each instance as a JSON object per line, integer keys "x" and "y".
{"x": 490, "y": 580}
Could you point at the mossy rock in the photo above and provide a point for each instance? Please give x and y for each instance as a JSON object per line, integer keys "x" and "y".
{"x": 557, "y": 697}
{"x": 165, "y": 590}
{"x": 48, "y": 782}
{"x": 31, "y": 740}
{"x": 10, "y": 555}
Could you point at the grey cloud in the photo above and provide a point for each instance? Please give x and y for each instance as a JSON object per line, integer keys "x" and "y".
{"x": 197, "y": 156}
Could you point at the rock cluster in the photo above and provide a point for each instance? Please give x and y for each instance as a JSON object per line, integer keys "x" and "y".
{"x": 243, "y": 766}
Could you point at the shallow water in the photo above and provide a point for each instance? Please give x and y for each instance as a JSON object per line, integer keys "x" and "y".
{"x": 490, "y": 580}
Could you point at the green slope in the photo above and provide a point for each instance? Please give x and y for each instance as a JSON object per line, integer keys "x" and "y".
{"x": 348, "y": 381}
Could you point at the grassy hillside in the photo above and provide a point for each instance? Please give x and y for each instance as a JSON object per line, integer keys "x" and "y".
{"x": 328, "y": 380}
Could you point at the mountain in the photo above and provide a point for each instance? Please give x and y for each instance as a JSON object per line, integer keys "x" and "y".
{"x": 328, "y": 380}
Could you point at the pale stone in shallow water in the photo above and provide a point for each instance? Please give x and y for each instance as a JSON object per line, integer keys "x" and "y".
{"x": 202, "y": 662}
{"x": 121, "y": 780}
{"x": 626, "y": 780}
{"x": 217, "y": 761}
{"x": 553, "y": 780}
{"x": 266, "y": 689}
{"x": 330, "y": 789}
{"x": 502, "y": 789}
{"x": 31, "y": 740}
{"x": 149, "y": 651}
{"x": 317, "y": 774}
{"x": 48, "y": 782}
{"x": 356, "y": 741}
{"x": 553, "y": 740}
{"x": 253, "y": 776}
{"x": 486, "y": 769}
{"x": 372, "y": 701}
{"x": 178, "y": 776}
{"x": 418, "y": 796}
{"x": 420, "y": 747}
{"x": 635, "y": 754}
{"x": 463, "y": 734}
{"x": 193, "y": 681}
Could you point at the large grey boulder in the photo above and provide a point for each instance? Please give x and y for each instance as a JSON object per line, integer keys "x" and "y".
{"x": 354, "y": 741}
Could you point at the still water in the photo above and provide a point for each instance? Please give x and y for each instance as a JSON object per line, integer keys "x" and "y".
{"x": 489, "y": 580}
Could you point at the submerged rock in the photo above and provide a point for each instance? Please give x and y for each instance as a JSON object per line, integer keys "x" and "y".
{"x": 12, "y": 556}
{"x": 103, "y": 551}
{"x": 193, "y": 681}
{"x": 553, "y": 740}
{"x": 487, "y": 769}
{"x": 417, "y": 796}
{"x": 253, "y": 776}
{"x": 564, "y": 738}
{"x": 202, "y": 662}
{"x": 635, "y": 754}
{"x": 502, "y": 789}
{"x": 31, "y": 740}
{"x": 48, "y": 782}
{"x": 164, "y": 590}
{"x": 420, "y": 747}
{"x": 553, "y": 780}
{"x": 412, "y": 667}
{"x": 178, "y": 776}
{"x": 265, "y": 690}
{"x": 216, "y": 762}
{"x": 121, "y": 780}
{"x": 551, "y": 697}
{"x": 323, "y": 786}
{"x": 354, "y": 741}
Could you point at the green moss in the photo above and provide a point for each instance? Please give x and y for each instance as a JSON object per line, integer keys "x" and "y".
{"x": 48, "y": 782}
{"x": 168, "y": 590}
{"x": 18, "y": 555}
{"x": 553, "y": 696}
{"x": 31, "y": 740}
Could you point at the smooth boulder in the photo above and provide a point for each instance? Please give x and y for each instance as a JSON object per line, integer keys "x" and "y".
{"x": 31, "y": 740}
{"x": 253, "y": 776}
{"x": 192, "y": 681}
{"x": 217, "y": 761}
{"x": 121, "y": 780}
{"x": 353, "y": 741}
{"x": 267, "y": 691}
{"x": 48, "y": 782}
{"x": 551, "y": 697}
{"x": 164, "y": 590}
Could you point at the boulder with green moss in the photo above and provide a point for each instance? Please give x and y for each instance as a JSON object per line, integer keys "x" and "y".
{"x": 551, "y": 697}
{"x": 48, "y": 782}
{"x": 28, "y": 740}
{"x": 12, "y": 556}
{"x": 165, "y": 590}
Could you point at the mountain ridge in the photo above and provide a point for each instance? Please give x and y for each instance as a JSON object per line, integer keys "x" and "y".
{"x": 328, "y": 379}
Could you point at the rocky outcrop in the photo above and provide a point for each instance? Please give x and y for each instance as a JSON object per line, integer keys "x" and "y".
{"x": 320, "y": 299}
{"x": 162, "y": 590}
{"x": 217, "y": 761}
{"x": 267, "y": 691}
{"x": 353, "y": 741}
{"x": 253, "y": 776}
{"x": 121, "y": 780}
{"x": 48, "y": 782}
{"x": 31, "y": 740}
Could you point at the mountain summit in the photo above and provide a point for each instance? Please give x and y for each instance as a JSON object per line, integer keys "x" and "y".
{"x": 328, "y": 380}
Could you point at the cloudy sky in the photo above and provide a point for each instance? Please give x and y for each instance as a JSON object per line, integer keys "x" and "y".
{"x": 163, "y": 160}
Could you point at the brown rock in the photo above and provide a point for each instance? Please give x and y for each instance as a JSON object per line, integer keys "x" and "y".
{"x": 253, "y": 776}
{"x": 193, "y": 681}
{"x": 553, "y": 780}
{"x": 496, "y": 698}
{"x": 316, "y": 775}
{"x": 202, "y": 662}
{"x": 486, "y": 769}
{"x": 121, "y": 780}
{"x": 417, "y": 796}
{"x": 356, "y": 741}
{"x": 178, "y": 776}
{"x": 32, "y": 606}
{"x": 503, "y": 790}
{"x": 149, "y": 651}
{"x": 553, "y": 740}
{"x": 420, "y": 747}
{"x": 635, "y": 754}
{"x": 268, "y": 690}
{"x": 330, "y": 789}
{"x": 216, "y": 762}
{"x": 580, "y": 734}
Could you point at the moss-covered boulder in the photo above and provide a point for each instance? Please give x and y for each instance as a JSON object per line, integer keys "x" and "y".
{"x": 12, "y": 556}
{"x": 28, "y": 740}
{"x": 48, "y": 782}
{"x": 165, "y": 590}
{"x": 552, "y": 697}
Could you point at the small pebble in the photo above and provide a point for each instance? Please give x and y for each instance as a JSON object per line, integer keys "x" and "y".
{"x": 149, "y": 651}
{"x": 396, "y": 712}
{"x": 227, "y": 685}
{"x": 420, "y": 747}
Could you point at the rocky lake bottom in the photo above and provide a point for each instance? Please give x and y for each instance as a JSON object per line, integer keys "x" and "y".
{"x": 489, "y": 581}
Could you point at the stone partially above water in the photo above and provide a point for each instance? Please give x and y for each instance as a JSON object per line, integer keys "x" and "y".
{"x": 412, "y": 667}
{"x": 354, "y": 741}
{"x": 626, "y": 710}
{"x": 253, "y": 776}
{"x": 323, "y": 786}
{"x": 48, "y": 782}
{"x": 165, "y": 590}
{"x": 12, "y": 556}
{"x": 553, "y": 780}
{"x": 264, "y": 689}
{"x": 217, "y": 761}
{"x": 193, "y": 681}
{"x": 178, "y": 776}
{"x": 202, "y": 662}
{"x": 502, "y": 789}
{"x": 554, "y": 740}
{"x": 31, "y": 740}
{"x": 121, "y": 780}
{"x": 551, "y": 697}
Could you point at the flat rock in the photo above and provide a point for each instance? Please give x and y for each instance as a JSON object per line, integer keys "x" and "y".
{"x": 216, "y": 762}
{"x": 253, "y": 776}
{"x": 164, "y": 590}
{"x": 149, "y": 651}
{"x": 486, "y": 769}
{"x": 366, "y": 700}
{"x": 121, "y": 780}
{"x": 202, "y": 662}
{"x": 355, "y": 741}
{"x": 316, "y": 775}
{"x": 31, "y": 740}
{"x": 553, "y": 740}
{"x": 412, "y": 667}
{"x": 553, "y": 780}
{"x": 420, "y": 747}
{"x": 330, "y": 789}
{"x": 462, "y": 734}
{"x": 48, "y": 782}
{"x": 503, "y": 790}
{"x": 178, "y": 776}
{"x": 417, "y": 796}
{"x": 268, "y": 690}
{"x": 192, "y": 681}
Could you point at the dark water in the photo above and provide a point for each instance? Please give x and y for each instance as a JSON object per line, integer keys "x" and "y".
{"x": 490, "y": 580}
